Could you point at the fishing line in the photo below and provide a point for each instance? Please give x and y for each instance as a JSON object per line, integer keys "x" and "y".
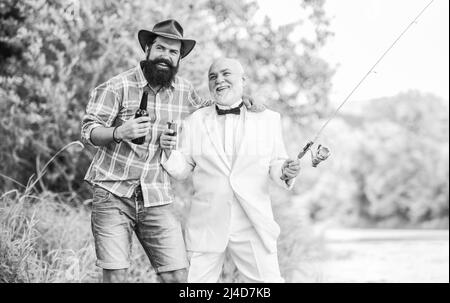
{"x": 308, "y": 146}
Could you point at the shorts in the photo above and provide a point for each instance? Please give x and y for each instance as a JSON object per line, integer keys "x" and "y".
{"x": 113, "y": 221}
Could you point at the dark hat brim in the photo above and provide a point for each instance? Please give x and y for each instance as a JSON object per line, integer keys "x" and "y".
{"x": 187, "y": 45}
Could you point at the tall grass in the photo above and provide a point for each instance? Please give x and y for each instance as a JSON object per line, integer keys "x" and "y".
{"x": 46, "y": 237}
{"x": 43, "y": 239}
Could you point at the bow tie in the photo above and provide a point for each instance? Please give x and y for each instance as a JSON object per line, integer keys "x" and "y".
{"x": 234, "y": 111}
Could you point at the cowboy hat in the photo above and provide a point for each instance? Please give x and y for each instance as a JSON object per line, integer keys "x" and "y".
{"x": 169, "y": 29}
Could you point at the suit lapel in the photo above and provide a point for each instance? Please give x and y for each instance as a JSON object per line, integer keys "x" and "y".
{"x": 210, "y": 123}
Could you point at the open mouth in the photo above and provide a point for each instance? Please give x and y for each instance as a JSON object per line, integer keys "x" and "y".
{"x": 222, "y": 88}
{"x": 162, "y": 65}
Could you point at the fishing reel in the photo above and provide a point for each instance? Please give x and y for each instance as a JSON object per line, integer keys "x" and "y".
{"x": 321, "y": 154}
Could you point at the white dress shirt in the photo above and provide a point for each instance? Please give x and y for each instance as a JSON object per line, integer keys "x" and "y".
{"x": 230, "y": 126}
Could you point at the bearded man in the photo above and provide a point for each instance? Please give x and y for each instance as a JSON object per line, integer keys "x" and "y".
{"x": 132, "y": 193}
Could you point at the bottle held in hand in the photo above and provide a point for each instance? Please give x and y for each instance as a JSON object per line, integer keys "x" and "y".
{"x": 173, "y": 126}
{"x": 141, "y": 112}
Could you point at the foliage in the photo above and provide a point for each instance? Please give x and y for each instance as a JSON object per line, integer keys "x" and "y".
{"x": 54, "y": 52}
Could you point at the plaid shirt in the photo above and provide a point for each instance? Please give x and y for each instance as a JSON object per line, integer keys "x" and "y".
{"x": 121, "y": 167}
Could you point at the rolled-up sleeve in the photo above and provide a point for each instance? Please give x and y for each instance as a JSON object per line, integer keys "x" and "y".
{"x": 102, "y": 109}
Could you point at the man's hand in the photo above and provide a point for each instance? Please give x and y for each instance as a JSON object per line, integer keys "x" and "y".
{"x": 252, "y": 106}
{"x": 134, "y": 128}
{"x": 290, "y": 169}
{"x": 168, "y": 141}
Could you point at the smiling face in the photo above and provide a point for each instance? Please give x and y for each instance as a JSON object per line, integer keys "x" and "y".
{"x": 226, "y": 81}
{"x": 165, "y": 53}
{"x": 163, "y": 58}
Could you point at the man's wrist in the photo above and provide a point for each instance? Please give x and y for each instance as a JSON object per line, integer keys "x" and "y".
{"x": 117, "y": 137}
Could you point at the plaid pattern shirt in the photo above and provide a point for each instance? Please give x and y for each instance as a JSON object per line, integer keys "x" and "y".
{"x": 121, "y": 167}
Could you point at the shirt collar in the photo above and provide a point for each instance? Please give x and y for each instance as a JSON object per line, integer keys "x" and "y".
{"x": 229, "y": 107}
{"x": 142, "y": 82}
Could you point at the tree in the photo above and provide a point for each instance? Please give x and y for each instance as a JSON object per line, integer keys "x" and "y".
{"x": 390, "y": 167}
{"x": 54, "y": 53}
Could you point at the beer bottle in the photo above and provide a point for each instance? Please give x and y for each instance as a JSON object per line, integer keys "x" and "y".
{"x": 141, "y": 112}
{"x": 173, "y": 126}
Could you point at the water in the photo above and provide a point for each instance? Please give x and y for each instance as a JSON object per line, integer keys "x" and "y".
{"x": 380, "y": 256}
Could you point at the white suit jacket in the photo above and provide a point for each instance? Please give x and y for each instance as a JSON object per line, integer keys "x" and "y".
{"x": 261, "y": 154}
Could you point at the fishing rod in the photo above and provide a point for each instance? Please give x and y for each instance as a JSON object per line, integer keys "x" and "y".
{"x": 322, "y": 153}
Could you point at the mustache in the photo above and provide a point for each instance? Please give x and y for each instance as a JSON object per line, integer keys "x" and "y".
{"x": 161, "y": 60}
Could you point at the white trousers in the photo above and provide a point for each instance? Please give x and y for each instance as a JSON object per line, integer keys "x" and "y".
{"x": 252, "y": 259}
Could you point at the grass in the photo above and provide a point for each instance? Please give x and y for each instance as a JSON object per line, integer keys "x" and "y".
{"x": 44, "y": 240}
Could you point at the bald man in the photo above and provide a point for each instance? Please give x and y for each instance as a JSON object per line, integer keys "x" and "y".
{"x": 233, "y": 154}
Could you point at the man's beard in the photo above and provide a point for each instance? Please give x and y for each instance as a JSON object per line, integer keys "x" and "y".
{"x": 157, "y": 76}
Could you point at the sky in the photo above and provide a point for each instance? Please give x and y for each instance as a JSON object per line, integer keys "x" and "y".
{"x": 364, "y": 29}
